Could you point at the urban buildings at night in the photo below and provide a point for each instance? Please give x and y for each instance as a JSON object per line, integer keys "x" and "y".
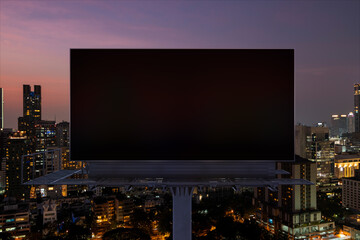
{"x": 36, "y": 40}
{"x": 291, "y": 210}
{"x": 341, "y": 124}
{"x": 314, "y": 143}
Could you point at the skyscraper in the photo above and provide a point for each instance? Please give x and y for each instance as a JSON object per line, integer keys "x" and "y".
{"x": 351, "y": 122}
{"x": 338, "y": 125}
{"x": 31, "y": 108}
{"x": 17, "y": 145}
{"x": 313, "y": 143}
{"x": 1, "y": 108}
{"x": 357, "y": 106}
{"x": 62, "y": 134}
{"x": 32, "y": 102}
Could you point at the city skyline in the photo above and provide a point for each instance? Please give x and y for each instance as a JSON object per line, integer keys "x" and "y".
{"x": 36, "y": 38}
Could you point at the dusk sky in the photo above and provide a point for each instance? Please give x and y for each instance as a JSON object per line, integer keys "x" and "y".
{"x": 35, "y": 38}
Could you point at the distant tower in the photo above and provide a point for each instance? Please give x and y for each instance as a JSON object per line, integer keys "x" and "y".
{"x": 339, "y": 125}
{"x": 1, "y": 108}
{"x": 32, "y": 102}
{"x": 31, "y": 109}
{"x": 351, "y": 122}
{"x": 357, "y": 106}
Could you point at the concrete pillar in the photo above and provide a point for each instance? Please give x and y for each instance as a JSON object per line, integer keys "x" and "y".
{"x": 182, "y": 208}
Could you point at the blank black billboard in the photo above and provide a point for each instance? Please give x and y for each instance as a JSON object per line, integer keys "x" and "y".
{"x": 182, "y": 104}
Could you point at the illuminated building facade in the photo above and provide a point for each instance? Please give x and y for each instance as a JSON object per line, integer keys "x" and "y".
{"x": 44, "y": 137}
{"x": 32, "y": 102}
{"x": 124, "y": 210}
{"x": 346, "y": 164}
{"x": 17, "y": 145}
{"x": 339, "y": 125}
{"x": 351, "y": 193}
{"x": 63, "y": 142}
{"x": 313, "y": 143}
{"x": 291, "y": 210}
{"x": 357, "y": 106}
{"x": 62, "y": 134}
{"x": 4, "y": 135}
{"x": 104, "y": 213}
{"x": 15, "y": 220}
{"x": 45, "y": 134}
{"x": 31, "y": 108}
{"x": 109, "y": 210}
{"x": 351, "y": 122}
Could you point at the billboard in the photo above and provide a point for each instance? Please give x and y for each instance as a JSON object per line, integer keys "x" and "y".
{"x": 182, "y": 104}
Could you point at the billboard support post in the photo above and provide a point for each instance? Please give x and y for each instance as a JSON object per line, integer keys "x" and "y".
{"x": 182, "y": 206}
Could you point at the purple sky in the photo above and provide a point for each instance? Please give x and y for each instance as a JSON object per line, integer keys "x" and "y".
{"x": 35, "y": 38}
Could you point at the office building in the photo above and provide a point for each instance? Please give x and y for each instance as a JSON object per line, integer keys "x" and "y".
{"x": 357, "y": 106}
{"x": 17, "y": 145}
{"x": 4, "y": 135}
{"x": 339, "y": 125}
{"x": 313, "y": 143}
{"x": 62, "y": 134}
{"x": 45, "y": 135}
{"x": 31, "y": 109}
{"x": 3, "y": 177}
{"x": 32, "y": 102}
{"x": 291, "y": 210}
{"x": 351, "y": 122}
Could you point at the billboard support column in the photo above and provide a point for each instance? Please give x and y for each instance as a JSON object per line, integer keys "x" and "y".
{"x": 182, "y": 197}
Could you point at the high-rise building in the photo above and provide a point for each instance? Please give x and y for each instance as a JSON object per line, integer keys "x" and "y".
{"x": 357, "y": 106}
{"x": 4, "y": 136}
{"x": 351, "y": 122}
{"x": 45, "y": 135}
{"x": 31, "y": 109}
{"x": 62, "y": 134}
{"x": 1, "y": 108}
{"x": 313, "y": 143}
{"x": 291, "y": 210}
{"x": 63, "y": 142}
{"x": 339, "y": 125}
{"x": 17, "y": 146}
{"x": 351, "y": 193}
{"x": 32, "y": 102}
